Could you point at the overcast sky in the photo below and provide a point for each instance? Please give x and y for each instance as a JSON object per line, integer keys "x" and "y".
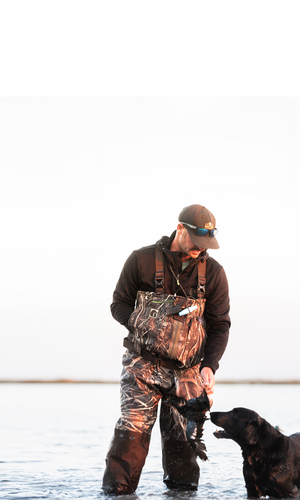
{"x": 87, "y": 176}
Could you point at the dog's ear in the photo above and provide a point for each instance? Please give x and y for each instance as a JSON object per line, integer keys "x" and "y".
{"x": 252, "y": 431}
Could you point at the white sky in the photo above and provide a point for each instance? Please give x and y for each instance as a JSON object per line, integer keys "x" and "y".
{"x": 89, "y": 175}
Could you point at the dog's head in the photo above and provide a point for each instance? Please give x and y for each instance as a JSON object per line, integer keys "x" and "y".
{"x": 240, "y": 424}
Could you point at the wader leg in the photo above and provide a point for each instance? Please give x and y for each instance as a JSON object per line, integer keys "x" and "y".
{"x": 129, "y": 448}
{"x": 181, "y": 470}
{"x": 179, "y": 459}
{"x": 124, "y": 462}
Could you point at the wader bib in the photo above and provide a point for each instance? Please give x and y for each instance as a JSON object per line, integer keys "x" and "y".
{"x": 168, "y": 327}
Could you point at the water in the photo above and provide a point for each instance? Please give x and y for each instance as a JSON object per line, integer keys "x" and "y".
{"x": 54, "y": 438}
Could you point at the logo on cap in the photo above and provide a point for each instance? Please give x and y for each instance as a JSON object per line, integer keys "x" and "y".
{"x": 208, "y": 225}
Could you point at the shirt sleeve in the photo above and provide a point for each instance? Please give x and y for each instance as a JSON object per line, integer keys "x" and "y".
{"x": 217, "y": 319}
{"x": 126, "y": 289}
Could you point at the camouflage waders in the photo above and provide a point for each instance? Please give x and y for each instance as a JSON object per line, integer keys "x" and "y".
{"x": 163, "y": 361}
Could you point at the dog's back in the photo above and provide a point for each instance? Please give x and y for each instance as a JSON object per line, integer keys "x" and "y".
{"x": 295, "y": 438}
{"x": 295, "y": 451}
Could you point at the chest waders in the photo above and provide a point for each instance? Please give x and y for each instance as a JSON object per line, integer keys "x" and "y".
{"x": 163, "y": 358}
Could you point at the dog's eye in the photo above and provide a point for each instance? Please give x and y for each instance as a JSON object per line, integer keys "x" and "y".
{"x": 234, "y": 414}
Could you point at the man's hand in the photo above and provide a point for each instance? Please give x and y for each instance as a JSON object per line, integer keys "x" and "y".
{"x": 208, "y": 381}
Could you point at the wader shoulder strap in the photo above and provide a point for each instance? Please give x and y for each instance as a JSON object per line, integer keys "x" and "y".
{"x": 159, "y": 270}
{"x": 201, "y": 279}
{"x": 159, "y": 274}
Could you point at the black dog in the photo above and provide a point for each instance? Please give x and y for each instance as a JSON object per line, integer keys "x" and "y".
{"x": 271, "y": 460}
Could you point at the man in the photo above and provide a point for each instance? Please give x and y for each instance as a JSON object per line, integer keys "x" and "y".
{"x": 176, "y": 356}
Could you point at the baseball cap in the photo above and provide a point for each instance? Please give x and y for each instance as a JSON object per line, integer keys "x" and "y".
{"x": 201, "y": 226}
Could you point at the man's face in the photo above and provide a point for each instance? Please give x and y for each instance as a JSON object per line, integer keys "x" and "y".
{"x": 186, "y": 244}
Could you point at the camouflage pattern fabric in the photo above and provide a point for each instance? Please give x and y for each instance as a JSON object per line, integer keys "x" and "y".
{"x": 143, "y": 385}
{"x": 156, "y": 326}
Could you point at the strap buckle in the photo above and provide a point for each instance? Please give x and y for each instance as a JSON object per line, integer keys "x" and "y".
{"x": 201, "y": 288}
{"x": 159, "y": 284}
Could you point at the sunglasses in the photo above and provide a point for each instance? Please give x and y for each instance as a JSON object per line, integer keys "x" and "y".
{"x": 200, "y": 231}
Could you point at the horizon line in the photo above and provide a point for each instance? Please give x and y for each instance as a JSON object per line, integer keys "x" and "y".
{"x": 74, "y": 381}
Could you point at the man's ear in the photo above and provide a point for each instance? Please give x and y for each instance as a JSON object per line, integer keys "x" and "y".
{"x": 180, "y": 228}
{"x": 252, "y": 432}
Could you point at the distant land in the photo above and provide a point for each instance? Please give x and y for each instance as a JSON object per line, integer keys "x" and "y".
{"x": 70, "y": 381}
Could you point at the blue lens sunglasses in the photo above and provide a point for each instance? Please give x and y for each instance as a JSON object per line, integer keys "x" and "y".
{"x": 200, "y": 231}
